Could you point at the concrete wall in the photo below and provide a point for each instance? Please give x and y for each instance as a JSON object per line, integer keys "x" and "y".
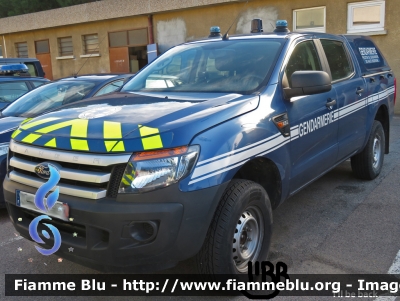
{"x": 179, "y": 21}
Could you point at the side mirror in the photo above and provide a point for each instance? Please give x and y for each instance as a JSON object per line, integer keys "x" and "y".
{"x": 308, "y": 83}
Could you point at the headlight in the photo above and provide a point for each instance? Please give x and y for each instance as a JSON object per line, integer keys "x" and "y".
{"x": 156, "y": 169}
{"x": 4, "y": 148}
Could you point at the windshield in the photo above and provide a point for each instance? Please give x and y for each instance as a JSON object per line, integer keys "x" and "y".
{"x": 48, "y": 97}
{"x": 236, "y": 66}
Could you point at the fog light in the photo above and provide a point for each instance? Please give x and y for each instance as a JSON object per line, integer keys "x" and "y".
{"x": 141, "y": 231}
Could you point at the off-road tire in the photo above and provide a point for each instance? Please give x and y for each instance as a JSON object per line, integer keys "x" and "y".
{"x": 242, "y": 205}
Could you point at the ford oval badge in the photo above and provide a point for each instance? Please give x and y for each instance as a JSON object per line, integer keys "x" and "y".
{"x": 43, "y": 170}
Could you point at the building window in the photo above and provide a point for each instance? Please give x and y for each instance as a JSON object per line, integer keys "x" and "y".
{"x": 366, "y": 16}
{"x": 65, "y": 46}
{"x": 22, "y": 49}
{"x": 310, "y": 19}
{"x": 42, "y": 47}
{"x": 135, "y": 37}
{"x": 118, "y": 39}
{"x": 90, "y": 44}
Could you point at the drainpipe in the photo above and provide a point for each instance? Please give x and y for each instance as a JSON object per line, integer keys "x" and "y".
{"x": 150, "y": 28}
{"x": 5, "y": 47}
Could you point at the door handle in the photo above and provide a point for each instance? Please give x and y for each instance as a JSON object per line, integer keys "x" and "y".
{"x": 359, "y": 91}
{"x": 371, "y": 80}
{"x": 390, "y": 75}
{"x": 330, "y": 104}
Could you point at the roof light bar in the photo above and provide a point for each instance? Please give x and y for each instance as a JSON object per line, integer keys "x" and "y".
{"x": 12, "y": 69}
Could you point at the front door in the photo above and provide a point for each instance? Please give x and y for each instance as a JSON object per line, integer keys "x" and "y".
{"x": 119, "y": 60}
{"x": 313, "y": 147}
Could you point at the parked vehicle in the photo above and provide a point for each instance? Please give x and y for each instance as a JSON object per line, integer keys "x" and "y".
{"x": 190, "y": 158}
{"x": 13, "y": 87}
{"x": 49, "y": 97}
{"x": 33, "y": 64}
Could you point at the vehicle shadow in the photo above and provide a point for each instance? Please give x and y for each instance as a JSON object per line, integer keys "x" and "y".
{"x": 4, "y": 218}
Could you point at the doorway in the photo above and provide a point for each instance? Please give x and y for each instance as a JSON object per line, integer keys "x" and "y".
{"x": 128, "y": 50}
{"x": 137, "y": 58}
{"x": 42, "y": 49}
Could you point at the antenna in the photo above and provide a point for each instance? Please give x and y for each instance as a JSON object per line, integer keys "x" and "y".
{"x": 98, "y": 47}
{"x": 226, "y": 36}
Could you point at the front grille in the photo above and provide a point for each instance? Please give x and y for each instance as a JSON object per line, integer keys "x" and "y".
{"x": 66, "y": 164}
{"x": 84, "y": 175}
{"x": 65, "y": 181}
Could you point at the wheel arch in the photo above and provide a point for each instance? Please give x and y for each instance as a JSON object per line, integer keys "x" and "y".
{"x": 264, "y": 172}
{"x": 382, "y": 115}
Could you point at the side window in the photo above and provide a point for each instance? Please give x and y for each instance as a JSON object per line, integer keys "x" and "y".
{"x": 368, "y": 55}
{"x": 37, "y": 83}
{"x": 32, "y": 69}
{"x": 11, "y": 91}
{"x": 304, "y": 58}
{"x": 337, "y": 59}
{"x": 111, "y": 87}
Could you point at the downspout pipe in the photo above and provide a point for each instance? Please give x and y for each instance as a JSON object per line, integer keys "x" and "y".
{"x": 5, "y": 47}
{"x": 150, "y": 28}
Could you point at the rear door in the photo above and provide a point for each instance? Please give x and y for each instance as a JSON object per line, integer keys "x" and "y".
{"x": 351, "y": 97}
{"x": 313, "y": 144}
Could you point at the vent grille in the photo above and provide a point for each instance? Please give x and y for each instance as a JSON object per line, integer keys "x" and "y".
{"x": 115, "y": 180}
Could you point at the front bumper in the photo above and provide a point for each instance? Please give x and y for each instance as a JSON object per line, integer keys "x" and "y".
{"x": 3, "y": 171}
{"x": 106, "y": 228}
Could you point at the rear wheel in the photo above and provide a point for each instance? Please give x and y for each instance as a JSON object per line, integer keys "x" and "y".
{"x": 240, "y": 231}
{"x": 367, "y": 165}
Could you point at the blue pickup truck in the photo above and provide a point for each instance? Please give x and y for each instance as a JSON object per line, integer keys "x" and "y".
{"x": 191, "y": 156}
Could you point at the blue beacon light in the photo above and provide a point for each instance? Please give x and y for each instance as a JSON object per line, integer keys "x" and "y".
{"x": 281, "y": 26}
{"x": 215, "y": 32}
{"x": 14, "y": 68}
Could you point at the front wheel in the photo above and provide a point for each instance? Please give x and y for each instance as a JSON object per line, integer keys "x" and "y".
{"x": 367, "y": 165}
{"x": 240, "y": 231}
